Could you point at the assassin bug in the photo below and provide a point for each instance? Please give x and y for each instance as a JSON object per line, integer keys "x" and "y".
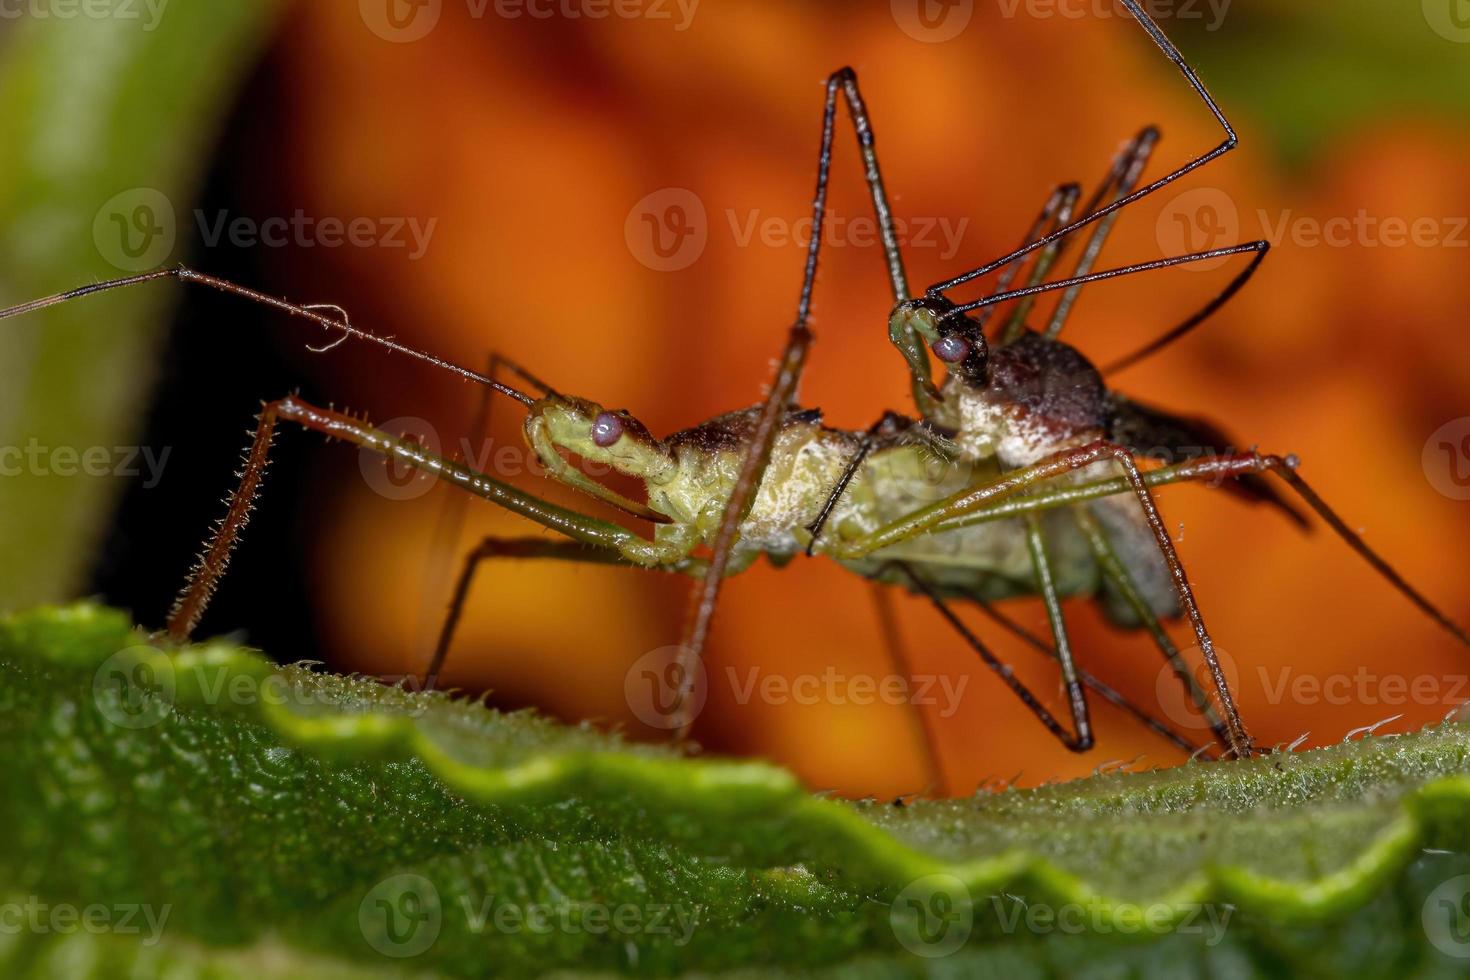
{"x": 1040, "y": 492}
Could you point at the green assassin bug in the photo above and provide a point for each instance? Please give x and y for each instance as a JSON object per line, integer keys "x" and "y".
{"x": 1017, "y": 476}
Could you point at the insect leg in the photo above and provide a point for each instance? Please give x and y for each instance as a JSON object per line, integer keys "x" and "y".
{"x": 1046, "y": 585}
{"x": 846, "y": 80}
{"x": 782, "y": 391}
{"x": 1231, "y": 141}
{"x": 1117, "y": 573}
{"x": 444, "y": 540}
{"x": 215, "y": 558}
{"x": 1121, "y": 180}
{"x": 1103, "y": 690}
{"x": 1019, "y": 481}
{"x": 1212, "y": 470}
{"x": 523, "y": 548}
{"x": 1048, "y": 256}
{"x": 1003, "y": 670}
{"x": 752, "y": 470}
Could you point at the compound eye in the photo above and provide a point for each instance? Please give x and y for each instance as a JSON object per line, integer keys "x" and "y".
{"x": 607, "y": 429}
{"x": 951, "y": 349}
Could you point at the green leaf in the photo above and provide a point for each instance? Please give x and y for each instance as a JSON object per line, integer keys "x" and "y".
{"x": 1308, "y": 73}
{"x": 110, "y": 111}
{"x": 272, "y": 822}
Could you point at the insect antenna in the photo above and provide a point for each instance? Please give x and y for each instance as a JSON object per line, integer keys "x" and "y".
{"x": 186, "y": 274}
{"x": 1048, "y": 256}
{"x": 1208, "y": 310}
{"x": 1229, "y": 143}
{"x": 1127, "y": 169}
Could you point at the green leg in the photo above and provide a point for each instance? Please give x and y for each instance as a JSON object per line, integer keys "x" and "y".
{"x": 1103, "y": 690}
{"x": 205, "y": 577}
{"x": 1019, "y": 481}
{"x": 1016, "y": 325}
{"x": 522, "y": 548}
{"x": 1217, "y": 469}
{"x": 1080, "y": 740}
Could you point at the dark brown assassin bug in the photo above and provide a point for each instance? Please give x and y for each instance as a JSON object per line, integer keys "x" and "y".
{"x": 1038, "y": 492}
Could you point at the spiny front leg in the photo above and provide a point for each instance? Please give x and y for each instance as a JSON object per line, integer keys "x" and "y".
{"x": 214, "y": 560}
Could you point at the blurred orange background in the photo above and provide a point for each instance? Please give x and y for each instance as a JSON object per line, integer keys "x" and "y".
{"x": 530, "y": 142}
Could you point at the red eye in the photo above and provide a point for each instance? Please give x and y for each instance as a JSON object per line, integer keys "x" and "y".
{"x": 607, "y": 429}
{"x": 951, "y": 350}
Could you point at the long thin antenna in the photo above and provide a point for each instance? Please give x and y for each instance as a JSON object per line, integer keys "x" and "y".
{"x": 186, "y": 274}
{"x": 1229, "y": 143}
